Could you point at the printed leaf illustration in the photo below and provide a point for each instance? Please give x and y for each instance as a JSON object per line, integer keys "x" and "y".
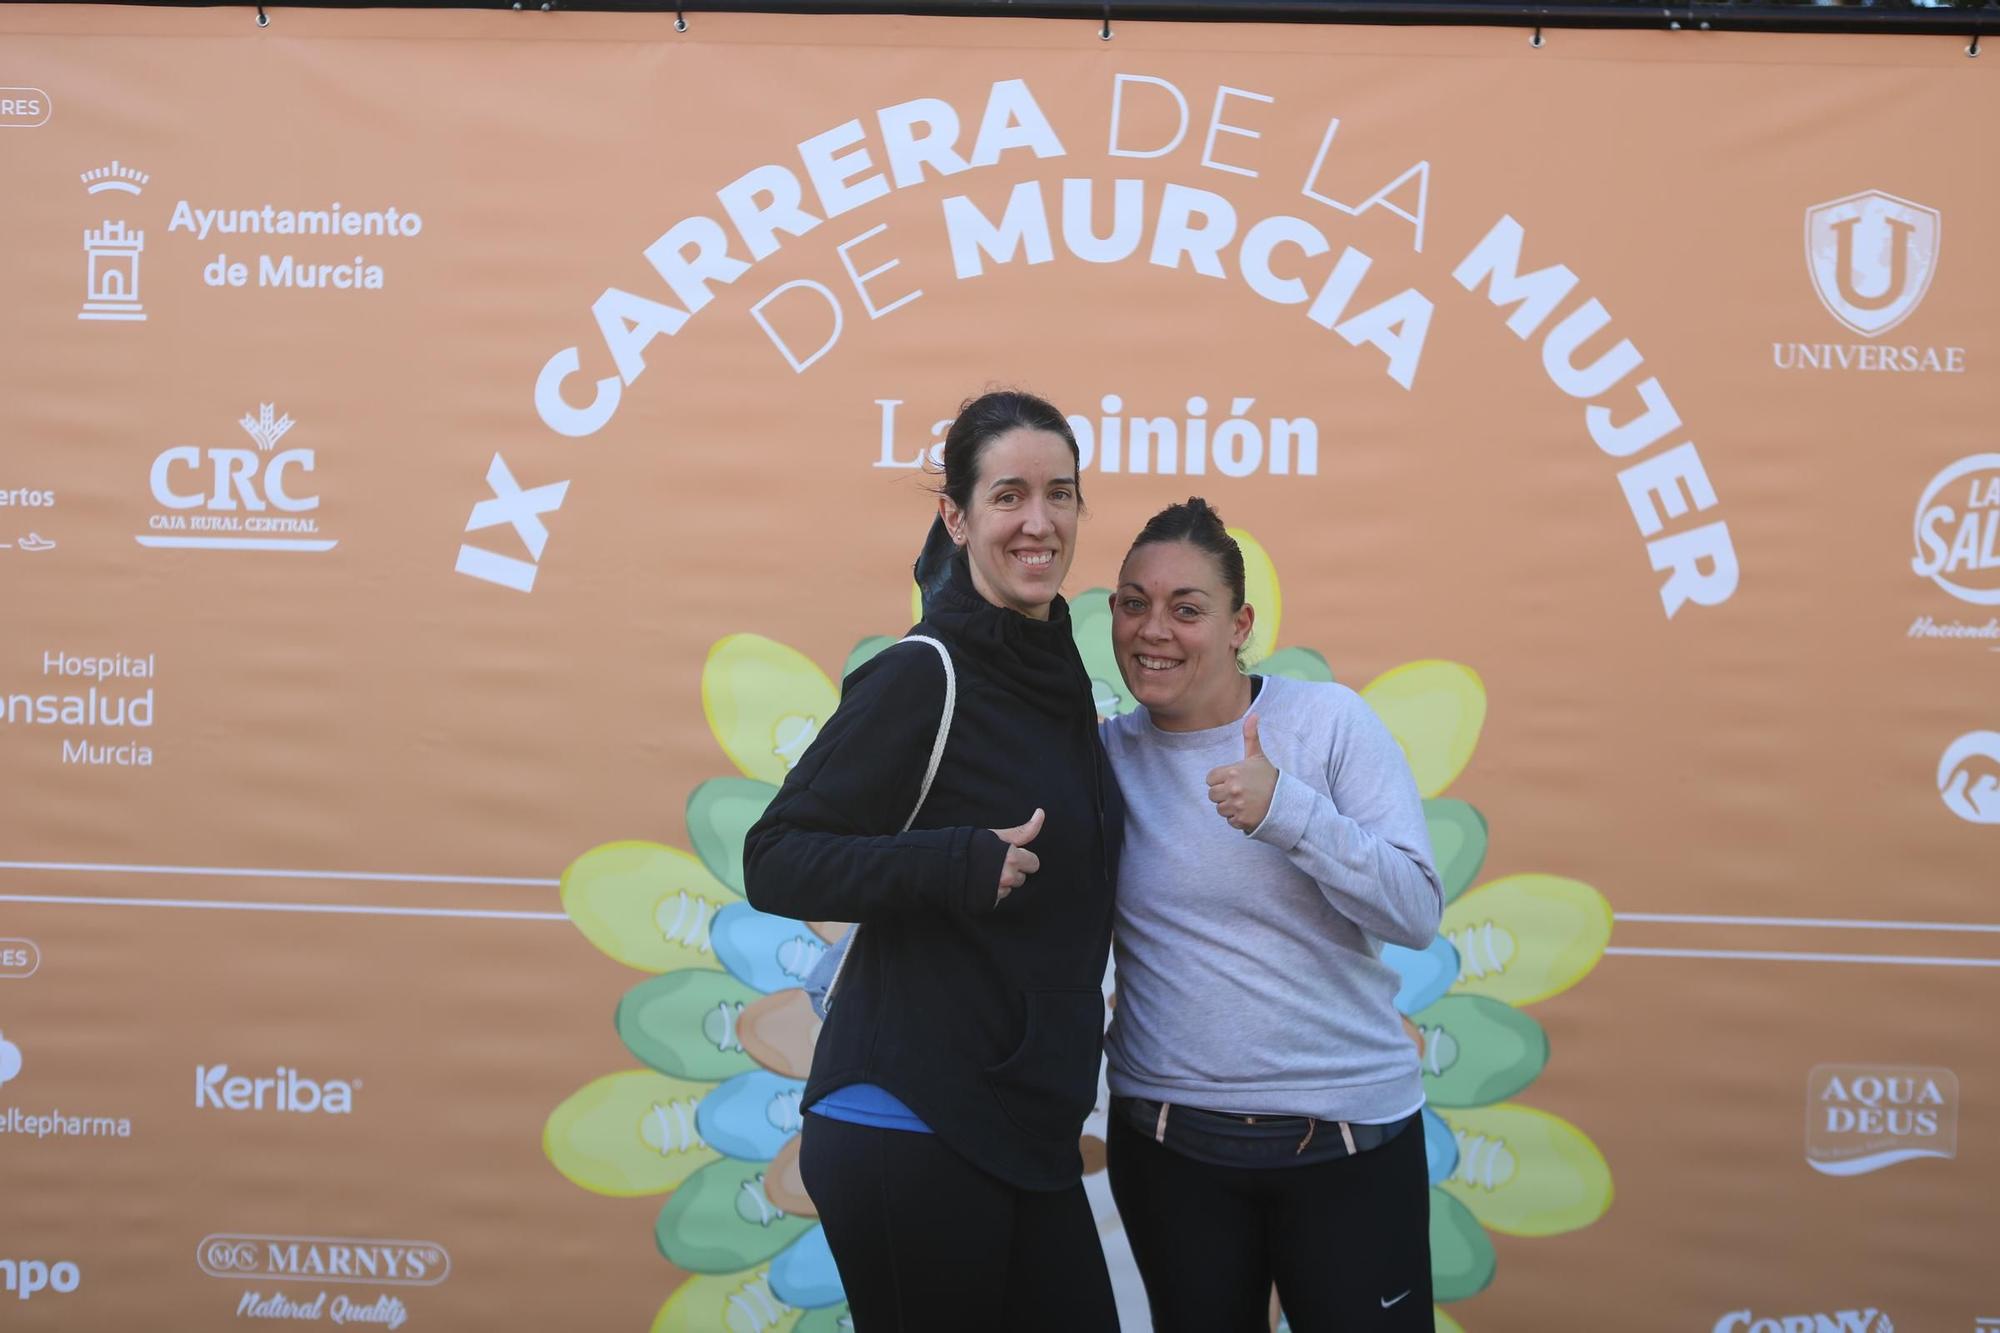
{"x": 723, "y": 1221}
{"x": 751, "y": 1115}
{"x": 864, "y": 652}
{"x": 1462, "y": 1261}
{"x": 684, "y": 1024}
{"x": 1426, "y": 973}
{"x": 646, "y": 905}
{"x": 719, "y": 812}
{"x": 765, "y": 702}
{"x": 1260, "y": 589}
{"x": 1436, "y": 710}
{"x": 726, "y": 1303}
{"x": 1298, "y": 663}
{"x": 1458, "y": 842}
{"x": 764, "y": 952}
{"x": 628, "y": 1134}
{"x": 1090, "y": 626}
{"x": 1527, "y": 937}
{"x": 1524, "y": 1172}
{"x": 1477, "y": 1050}
{"x": 804, "y": 1274}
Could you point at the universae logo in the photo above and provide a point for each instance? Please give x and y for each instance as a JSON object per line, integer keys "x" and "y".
{"x": 1872, "y": 256}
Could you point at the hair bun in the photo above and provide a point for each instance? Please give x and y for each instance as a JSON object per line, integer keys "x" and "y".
{"x": 1197, "y": 523}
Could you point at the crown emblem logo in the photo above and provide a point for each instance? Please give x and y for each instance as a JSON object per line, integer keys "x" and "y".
{"x": 114, "y": 177}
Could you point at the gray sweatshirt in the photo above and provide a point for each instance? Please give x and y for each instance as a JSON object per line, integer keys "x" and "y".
{"x": 1248, "y": 966}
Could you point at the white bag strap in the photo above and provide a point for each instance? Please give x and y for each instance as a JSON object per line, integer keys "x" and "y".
{"x": 944, "y": 725}
{"x": 846, "y": 946}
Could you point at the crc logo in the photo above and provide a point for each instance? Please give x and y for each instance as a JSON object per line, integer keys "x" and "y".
{"x": 25, "y": 1277}
{"x": 407, "y": 1263}
{"x": 1958, "y": 530}
{"x": 237, "y": 499}
{"x": 1872, "y": 257}
{"x": 1840, "y": 1321}
{"x": 1968, "y": 777}
{"x": 286, "y": 1090}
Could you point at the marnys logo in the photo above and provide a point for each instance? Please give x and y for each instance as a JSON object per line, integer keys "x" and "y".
{"x": 1872, "y": 257}
{"x": 1861, "y": 1118}
{"x": 286, "y": 1090}
{"x": 241, "y": 486}
{"x": 1968, "y": 777}
{"x": 1869, "y": 1320}
{"x": 408, "y": 1263}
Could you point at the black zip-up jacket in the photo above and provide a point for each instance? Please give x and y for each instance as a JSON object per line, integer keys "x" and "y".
{"x": 987, "y": 1020}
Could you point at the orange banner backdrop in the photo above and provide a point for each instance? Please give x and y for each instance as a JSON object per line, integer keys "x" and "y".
{"x": 448, "y": 460}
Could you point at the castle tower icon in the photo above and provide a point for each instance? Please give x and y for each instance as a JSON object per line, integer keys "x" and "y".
{"x": 113, "y": 290}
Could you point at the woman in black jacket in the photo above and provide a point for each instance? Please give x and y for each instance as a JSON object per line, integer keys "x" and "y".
{"x": 960, "y": 1055}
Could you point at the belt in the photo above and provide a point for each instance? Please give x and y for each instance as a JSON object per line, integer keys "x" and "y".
{"x": 1209, "y": 1134}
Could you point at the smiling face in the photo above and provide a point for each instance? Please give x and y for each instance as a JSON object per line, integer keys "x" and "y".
{"x": 1176, "y": 637}
{"x": 1019, "y": 526}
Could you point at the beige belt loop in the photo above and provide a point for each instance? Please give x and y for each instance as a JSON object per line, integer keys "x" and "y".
{"x": 1347, "y": 1137}
{"x": 1160, "y": 1126}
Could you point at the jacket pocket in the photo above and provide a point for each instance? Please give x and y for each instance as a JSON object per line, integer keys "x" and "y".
{"x": 1049, "y": 1084}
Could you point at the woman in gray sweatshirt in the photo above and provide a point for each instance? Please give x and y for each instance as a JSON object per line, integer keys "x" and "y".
{"x": 1265, "y": 1097}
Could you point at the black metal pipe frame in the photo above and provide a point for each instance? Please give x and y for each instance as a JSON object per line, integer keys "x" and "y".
{"x": 1749, "y": 17}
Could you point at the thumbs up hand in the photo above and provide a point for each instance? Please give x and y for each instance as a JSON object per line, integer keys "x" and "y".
{"x": 1242, "y": 791}
{"x": 1020, "y": 862}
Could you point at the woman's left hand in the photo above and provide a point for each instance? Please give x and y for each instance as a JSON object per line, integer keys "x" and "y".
{"x": 1242, "y": 791}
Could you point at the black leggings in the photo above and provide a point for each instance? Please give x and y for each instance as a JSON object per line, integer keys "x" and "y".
{"x": 1347, "y": 1241}
{"x": 926, "y": 1241}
